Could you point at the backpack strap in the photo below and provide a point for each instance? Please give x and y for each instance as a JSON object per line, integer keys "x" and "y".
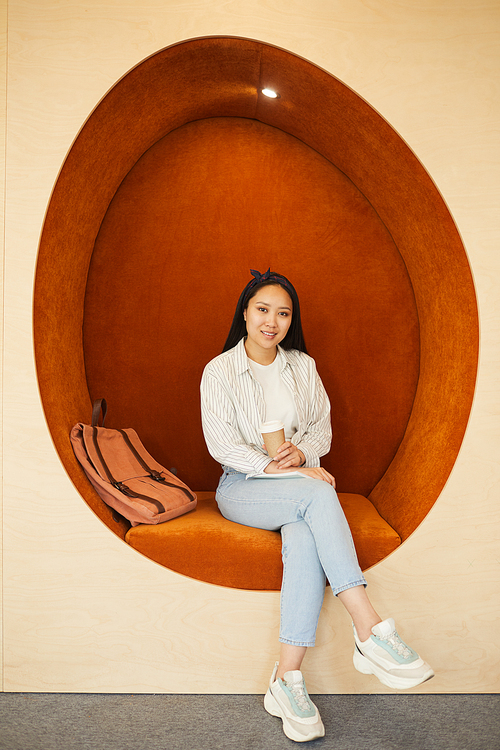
{"x": 152, "y": 472}
{"x": 119, "y": 485}
{"x": 99, "y": 404}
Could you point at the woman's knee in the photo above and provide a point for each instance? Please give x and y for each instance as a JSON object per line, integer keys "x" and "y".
{"x": 323, "y": 503}
{"x": 321, "y": 492}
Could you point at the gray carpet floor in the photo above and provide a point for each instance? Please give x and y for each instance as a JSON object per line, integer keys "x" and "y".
{"x": 43, "y": 721}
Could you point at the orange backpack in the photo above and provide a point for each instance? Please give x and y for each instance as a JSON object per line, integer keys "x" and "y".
{"x": 125, "y": 475}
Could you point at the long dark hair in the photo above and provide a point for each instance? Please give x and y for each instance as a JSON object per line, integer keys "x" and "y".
{"x": 294, "y": 338}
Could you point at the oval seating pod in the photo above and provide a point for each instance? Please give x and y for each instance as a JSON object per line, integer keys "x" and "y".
{"x": 183, "y": 178}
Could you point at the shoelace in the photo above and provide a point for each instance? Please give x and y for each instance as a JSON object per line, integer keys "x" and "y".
{"x": 298, "y": 691}
{"x": 395, "y": 642}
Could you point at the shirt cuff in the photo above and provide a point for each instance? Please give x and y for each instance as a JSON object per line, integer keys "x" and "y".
{"x": 259, "y": 472}
{"x": 312, "y": 458}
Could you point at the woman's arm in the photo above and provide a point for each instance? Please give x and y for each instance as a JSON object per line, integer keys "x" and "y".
{"x": 222, "y": 436}
{"x": 314, "y": 473}
{"x": 315, "y": 436}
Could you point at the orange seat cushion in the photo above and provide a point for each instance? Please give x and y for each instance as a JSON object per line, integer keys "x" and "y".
{"x": 205, "y": 545}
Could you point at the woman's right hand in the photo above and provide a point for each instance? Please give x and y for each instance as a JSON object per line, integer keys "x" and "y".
{"x": 319, "y": 473}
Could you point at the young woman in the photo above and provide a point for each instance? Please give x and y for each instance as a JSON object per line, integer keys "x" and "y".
{"x": 263, "y": 374}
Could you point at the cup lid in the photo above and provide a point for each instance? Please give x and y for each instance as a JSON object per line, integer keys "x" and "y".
{"x": 272, "y": 426}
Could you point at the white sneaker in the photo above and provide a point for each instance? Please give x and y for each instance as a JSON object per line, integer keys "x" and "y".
{"x": 289, "y": 700}
{"x": 388, "y": 657}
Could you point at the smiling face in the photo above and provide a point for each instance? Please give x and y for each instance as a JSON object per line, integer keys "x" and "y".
{"x": 268, "y": 316}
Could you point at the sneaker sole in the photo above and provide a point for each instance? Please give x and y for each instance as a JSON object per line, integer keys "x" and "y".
{"x": 365, "y": 666}
{"x": 273, "y": 707}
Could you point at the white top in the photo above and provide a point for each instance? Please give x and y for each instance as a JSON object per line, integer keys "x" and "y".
{"x": 233, "y": 406}
{"x": 277, "y": 395}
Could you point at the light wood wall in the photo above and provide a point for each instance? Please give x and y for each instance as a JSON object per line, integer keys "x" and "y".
{"x": 82, "y": 611}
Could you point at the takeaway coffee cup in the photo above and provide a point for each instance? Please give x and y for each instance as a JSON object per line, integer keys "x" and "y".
{"x": 274, "y": 435}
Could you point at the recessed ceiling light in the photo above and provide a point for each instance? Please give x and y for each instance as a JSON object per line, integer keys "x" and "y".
{"x": 270, "y": 93}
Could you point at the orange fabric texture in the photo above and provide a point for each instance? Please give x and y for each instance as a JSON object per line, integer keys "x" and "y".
{"x": 261, "y": 198}
{"x": 399, "y": 241}
{"x": 241, "y": 557}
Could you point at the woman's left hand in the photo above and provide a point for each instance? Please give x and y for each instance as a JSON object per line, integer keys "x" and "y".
{"x": 288, "y": 455}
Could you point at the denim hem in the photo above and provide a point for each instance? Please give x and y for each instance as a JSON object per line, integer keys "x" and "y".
{"x": 340, "y": 589}
{"x": 288, "y": 642}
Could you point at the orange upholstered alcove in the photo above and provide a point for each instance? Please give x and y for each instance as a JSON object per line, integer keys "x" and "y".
{"x": 185, "y": 177}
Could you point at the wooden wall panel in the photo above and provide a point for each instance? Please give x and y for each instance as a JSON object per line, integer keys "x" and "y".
{"x": 75, "y": 597}
{"x": 3, "y": 118}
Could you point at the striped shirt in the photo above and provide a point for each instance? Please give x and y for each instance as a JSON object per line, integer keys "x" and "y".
{"x": 233, "y": 406}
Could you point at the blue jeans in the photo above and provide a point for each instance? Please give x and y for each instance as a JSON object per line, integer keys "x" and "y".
{"x": 316, "y": 542}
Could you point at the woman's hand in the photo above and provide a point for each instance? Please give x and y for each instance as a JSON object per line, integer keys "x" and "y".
{"x": 316, "y": 473}
{"x": 288, "y": 456}
{"x": 319, "y": 473}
